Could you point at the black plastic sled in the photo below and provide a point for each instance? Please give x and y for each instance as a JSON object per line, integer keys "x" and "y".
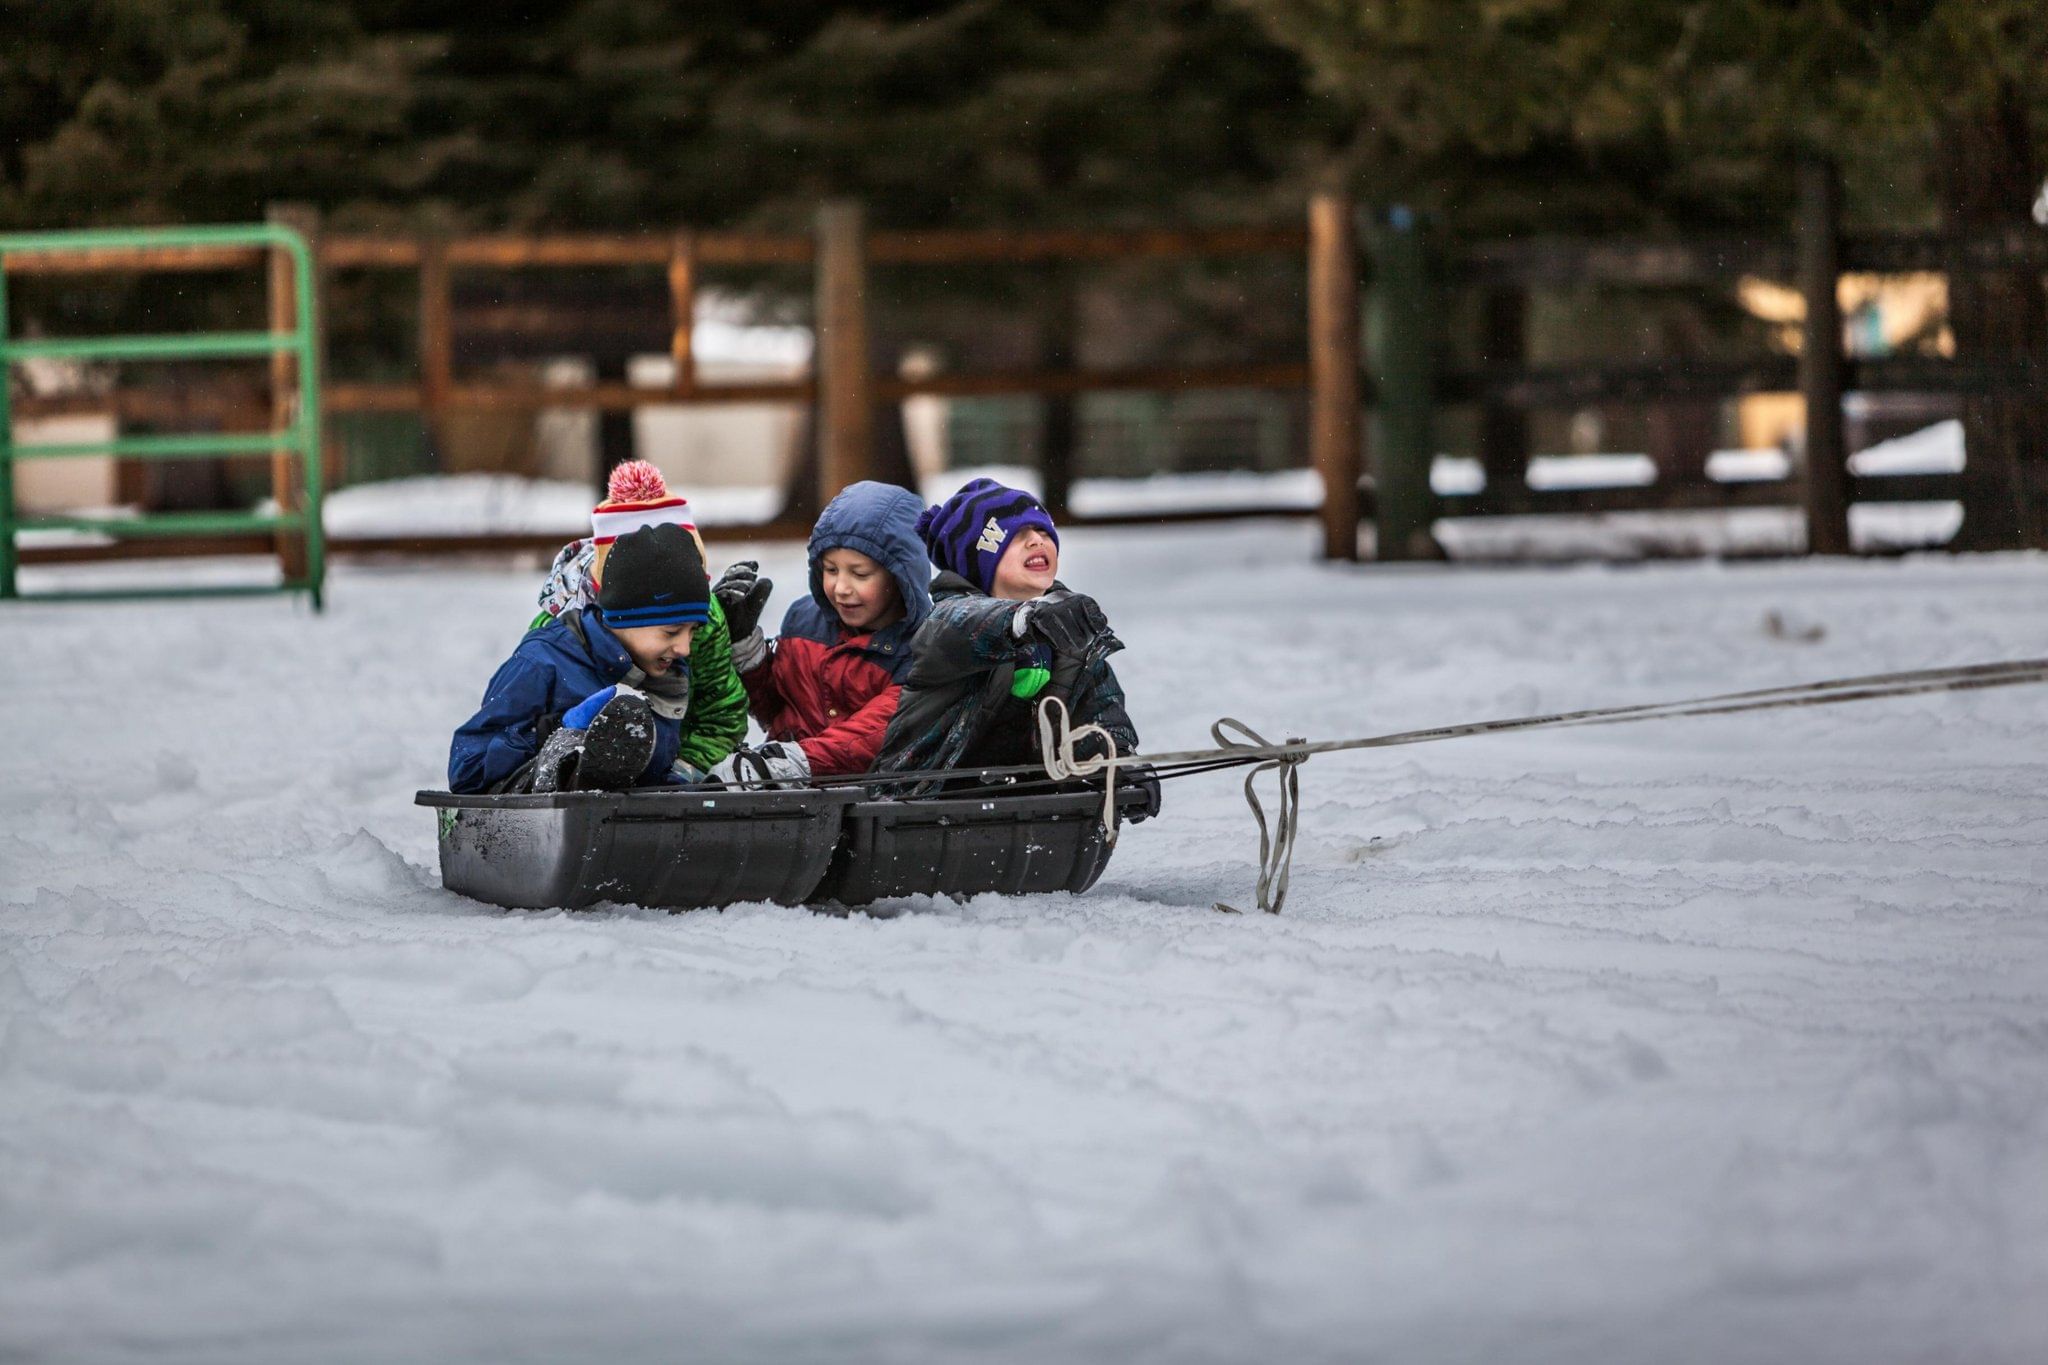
{"x": 686, "y": 849}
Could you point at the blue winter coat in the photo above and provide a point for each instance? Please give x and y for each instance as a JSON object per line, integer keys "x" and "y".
{"x": 557, "y": 665}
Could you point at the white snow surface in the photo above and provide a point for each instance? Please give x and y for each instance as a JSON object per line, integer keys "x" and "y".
{"x": 1718, "y": 1040}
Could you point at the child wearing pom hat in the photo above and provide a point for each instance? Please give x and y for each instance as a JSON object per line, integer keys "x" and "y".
{"x": 1004, "y": 632}
{"x": 712, "y": 700}
{"x": 588, "y": 699}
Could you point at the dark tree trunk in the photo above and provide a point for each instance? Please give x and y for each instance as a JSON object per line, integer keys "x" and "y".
{"x": 1059, "y": 430}
{"x": 800, "y": 489}
{"x": 892, "y": 448}
{"x": 891, "y": 461}
{"x": 1504, "y": 430}
{"x": 1986, "y": 172}
{"x": 615, "y": 444}
{"x": 1682, "y": 436}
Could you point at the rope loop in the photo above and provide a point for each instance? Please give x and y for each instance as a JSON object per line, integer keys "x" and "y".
{"x": 1056, "y": 739}
{"x": 1276, "y": 844}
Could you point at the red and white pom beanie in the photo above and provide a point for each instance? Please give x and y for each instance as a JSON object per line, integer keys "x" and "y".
{"x": 635, "y": 496}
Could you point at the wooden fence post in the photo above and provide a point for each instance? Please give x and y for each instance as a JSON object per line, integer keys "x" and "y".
{"x": 682, "y": 293}
{"x": 1826, "y": 481}
{"x": 287, "y": 479}
{"x": 437, "y": 342}
{"x": 846, "y": 422}
{"x": 1399, "y": 322}
{"x": 1333, "y": 362}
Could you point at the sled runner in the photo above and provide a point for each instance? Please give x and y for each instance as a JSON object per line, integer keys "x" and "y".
{"x": 690, "y": 848}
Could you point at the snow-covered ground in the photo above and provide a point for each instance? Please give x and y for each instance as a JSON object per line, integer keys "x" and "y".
{"x": 1719, "y": 1040}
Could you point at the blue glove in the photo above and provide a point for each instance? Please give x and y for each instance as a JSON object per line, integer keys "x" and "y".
{"x": 579, "y": 716}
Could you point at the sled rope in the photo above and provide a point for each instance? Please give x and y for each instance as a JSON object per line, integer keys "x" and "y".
{"x": 1276, "y": 847}
{"x": 1276, "y": 855}
{"x": 1056, "y": 741}
{"x": 1057, "y": 736}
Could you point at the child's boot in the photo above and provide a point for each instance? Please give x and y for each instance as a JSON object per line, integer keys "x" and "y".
{"x": 619, "y": 744}
{"x": 554, "y": 767}
{"x": 604, "y": 742}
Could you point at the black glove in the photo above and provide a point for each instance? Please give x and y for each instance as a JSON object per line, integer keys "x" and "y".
{"x": 1070, "y": 625}
{"x": 742, "y": 592}
{"x": 1140, "y": 777}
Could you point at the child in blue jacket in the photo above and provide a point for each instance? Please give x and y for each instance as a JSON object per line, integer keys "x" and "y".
{"x": 594, "y": 698}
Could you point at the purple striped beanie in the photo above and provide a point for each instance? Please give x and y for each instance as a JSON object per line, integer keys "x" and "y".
{"x": 968, "y": 532}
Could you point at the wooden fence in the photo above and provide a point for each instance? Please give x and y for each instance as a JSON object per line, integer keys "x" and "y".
{"x": 1378, "y": 361}
{"x": 1814, "y": 259}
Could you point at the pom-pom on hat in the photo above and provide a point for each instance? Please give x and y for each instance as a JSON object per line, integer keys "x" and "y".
{"x": 656, "y": 578}
{"x": 968, "y": 532}
{"x": 636, "y": 496}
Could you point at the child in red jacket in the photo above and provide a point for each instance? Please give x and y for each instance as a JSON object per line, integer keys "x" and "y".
{"x": 825, "y": 688}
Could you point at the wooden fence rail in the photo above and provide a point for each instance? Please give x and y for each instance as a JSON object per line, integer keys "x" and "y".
{"x": 1358, "y": 270}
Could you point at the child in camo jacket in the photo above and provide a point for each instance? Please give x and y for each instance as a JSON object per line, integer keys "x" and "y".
{"x": 1003, "y": 633}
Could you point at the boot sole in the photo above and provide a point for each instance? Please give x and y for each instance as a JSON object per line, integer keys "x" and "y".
{"x": 618, "y": 745}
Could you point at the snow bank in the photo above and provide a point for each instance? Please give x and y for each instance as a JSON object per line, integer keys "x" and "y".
{"x": 484, "y": 503}
{"x": 1713, "y": 1041}
{"x": 478, "y": 504}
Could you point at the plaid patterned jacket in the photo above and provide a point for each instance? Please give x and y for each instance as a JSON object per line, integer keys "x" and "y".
{"x": 963, "y": 661}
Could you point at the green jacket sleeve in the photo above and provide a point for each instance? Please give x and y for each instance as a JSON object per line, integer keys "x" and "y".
{"x": 717, "y": 719}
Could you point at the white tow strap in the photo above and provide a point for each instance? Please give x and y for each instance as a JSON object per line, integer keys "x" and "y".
{"x": 1057, "y": 736}
{"x": 1276, "y": 854}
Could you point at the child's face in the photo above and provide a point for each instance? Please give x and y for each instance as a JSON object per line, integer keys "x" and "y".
{"x": 655, "y": 649}
{"x": 860, "y": 590}
{"x": 1027, "y": 568}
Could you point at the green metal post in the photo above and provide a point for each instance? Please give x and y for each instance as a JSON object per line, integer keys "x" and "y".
{"x": 309, "y": 424}
{"x": 7, "y": 588}
{"x": 1399, "y": 325}
{"x": 302, "y": 436}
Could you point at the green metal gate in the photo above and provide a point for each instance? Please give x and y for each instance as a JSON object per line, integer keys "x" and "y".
{"x": 300, "y": 437}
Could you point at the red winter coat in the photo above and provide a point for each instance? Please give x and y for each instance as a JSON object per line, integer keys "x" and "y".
{"x": 833, "y": 698}
{"x": 832, "y": 691}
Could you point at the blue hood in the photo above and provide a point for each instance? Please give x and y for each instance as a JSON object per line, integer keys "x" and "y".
{"x": 880, "y": 521}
